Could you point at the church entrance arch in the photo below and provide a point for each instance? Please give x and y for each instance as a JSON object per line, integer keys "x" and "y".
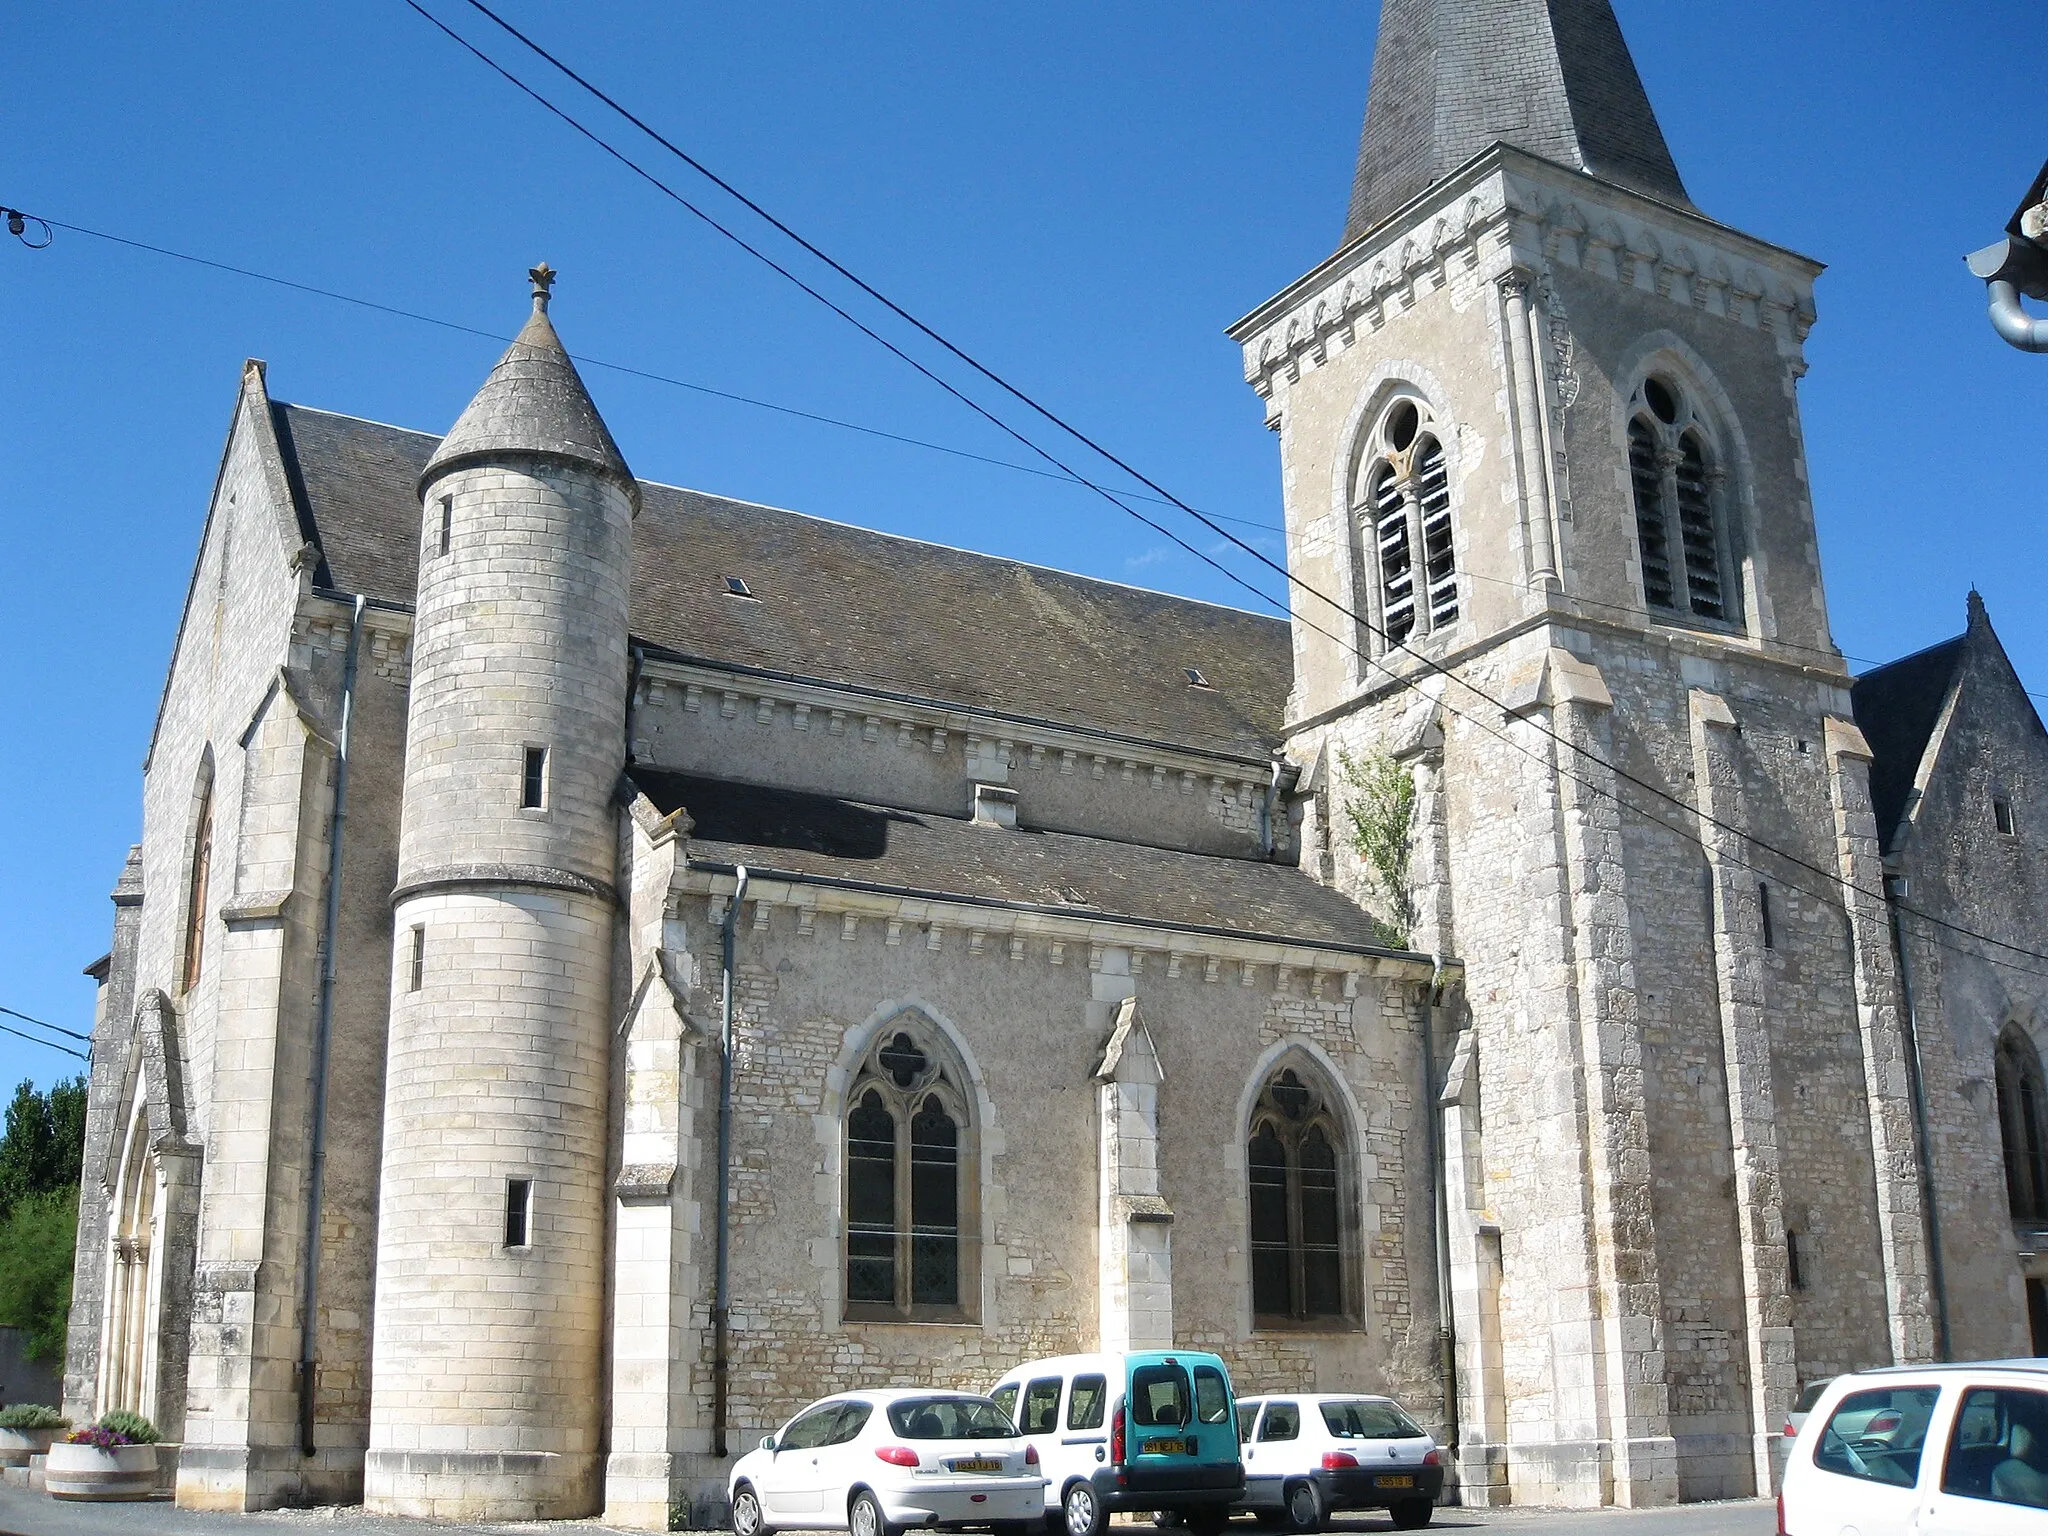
{"x": 134, "y": 1272}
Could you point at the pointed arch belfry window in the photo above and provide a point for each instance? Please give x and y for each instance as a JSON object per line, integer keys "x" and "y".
{"x": 911, "y": 1196}
{"x": 2023, "y": 1124}
{"x": 1304, "y": 1258}
{"x": 1678, "y": 486}
{"x": 1405, "y": 527}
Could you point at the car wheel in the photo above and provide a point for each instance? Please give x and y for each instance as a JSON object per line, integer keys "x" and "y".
{"x": 864, "y": 1517}
{"x": 1304, "y": 1508}
{"x": 747, "y": 1519}
{"x": 1084, "y": 1513}
{"x": 1167, "y": 1519}
{"x": 1412, "y": 1514}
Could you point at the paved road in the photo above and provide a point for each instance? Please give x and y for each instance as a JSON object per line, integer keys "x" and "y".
{"x": 32, "y": 1514}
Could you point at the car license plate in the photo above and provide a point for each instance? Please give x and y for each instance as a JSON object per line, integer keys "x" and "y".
{"x": 1393, "y": 1482}
{"x": 1164, "y": 1447}
{"x": 977, "y": 1464}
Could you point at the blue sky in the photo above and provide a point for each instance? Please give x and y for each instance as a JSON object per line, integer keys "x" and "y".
{"x": 1081, "y": 194}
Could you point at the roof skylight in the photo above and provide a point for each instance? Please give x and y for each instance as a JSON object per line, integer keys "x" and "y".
{"x": 735, "y": 587}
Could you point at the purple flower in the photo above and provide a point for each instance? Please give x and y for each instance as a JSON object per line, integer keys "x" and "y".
{"x": 99, "y": 1438}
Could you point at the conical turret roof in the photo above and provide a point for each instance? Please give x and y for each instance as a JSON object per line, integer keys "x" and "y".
{"x": 533, "y": 402}
{"x": 1553, "y": 77}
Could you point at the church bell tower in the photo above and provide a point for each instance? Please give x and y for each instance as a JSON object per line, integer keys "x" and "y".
{"x": 1543, "y": 472}
{"x": 486, "y": 1392}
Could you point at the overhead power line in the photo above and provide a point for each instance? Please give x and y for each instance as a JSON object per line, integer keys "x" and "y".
{"x": 48, "y": 1045}
{"x": 40, "y": 1024}
{"x": 1831, "y": 878}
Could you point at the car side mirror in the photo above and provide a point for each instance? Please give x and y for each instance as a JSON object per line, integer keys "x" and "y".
{"x": 768, "y": 1442}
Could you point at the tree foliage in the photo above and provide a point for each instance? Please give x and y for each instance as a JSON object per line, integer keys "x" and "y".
{"x": 41, "y": 1156}
{"x": 1381, "y": 811}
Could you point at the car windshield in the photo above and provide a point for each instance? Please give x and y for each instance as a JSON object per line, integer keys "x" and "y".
{"x": 1369, "y": 1421}
{"x": 1811, "y": 1396}
{"x": 950, "y": 1418}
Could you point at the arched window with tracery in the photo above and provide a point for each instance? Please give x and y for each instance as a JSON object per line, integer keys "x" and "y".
{"x": 1297, "y": 1163}
{"x": 195, "y": 889}
{"x": 1682, "y": 532}
{"x": 1405, "y": 527}
{"x": 911, "y": 1192}
{"x": 2023, "y": 1124}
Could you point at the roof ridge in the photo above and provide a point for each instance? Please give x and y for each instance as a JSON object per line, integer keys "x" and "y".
{"x": 837, "y": 522}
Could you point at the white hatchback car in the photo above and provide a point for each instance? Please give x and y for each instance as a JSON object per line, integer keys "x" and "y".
{"x": 1930, "y": 1450}
{"x": 875, "y": 1463}
{"x": 1308, "y": 1455}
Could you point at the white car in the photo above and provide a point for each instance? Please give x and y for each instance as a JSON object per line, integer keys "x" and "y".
{"x": 1308, "y": 1455}
{"x": 1932, "y": 1450}
{"x": 875, "y": 1463}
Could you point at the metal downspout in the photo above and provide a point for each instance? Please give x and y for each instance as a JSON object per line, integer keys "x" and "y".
{"x": 1447, "y": 1326}
{"x": 1916, "y": 1090}
{"x": 721, "y": 1301}
{"x": 2014, "y": 325}
{"x": 323, "y": 1027}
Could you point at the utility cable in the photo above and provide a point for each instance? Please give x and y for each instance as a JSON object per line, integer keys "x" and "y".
{"x": 41, "y": 1024}
{"x": 1832, "y": 878}
{"x": 48, "y": 1045}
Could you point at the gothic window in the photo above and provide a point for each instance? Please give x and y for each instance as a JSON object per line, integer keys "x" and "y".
{"x": 2023, "y": 1124}
{"x": 910, "y": 1189}
{"x": 1681, "y": 529}
{"x": 195, "y": 894}
{"x": 1303, "y": 1258}
{"x": 1405, "y": 527}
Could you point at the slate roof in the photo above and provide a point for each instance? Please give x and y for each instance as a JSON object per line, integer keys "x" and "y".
{"x": 1897, "y": 706}
{"x": 1553, "y": 77}
{"x": 844, "y": 605}
{"x": 533, "y": 401}
{"x": 821, "y": 836}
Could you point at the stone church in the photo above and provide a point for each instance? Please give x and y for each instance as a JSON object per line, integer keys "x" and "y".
{"x": 606, "y": 963}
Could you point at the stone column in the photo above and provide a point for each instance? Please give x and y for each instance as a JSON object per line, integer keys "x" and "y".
{"x": 1136, "y": 1224}
{"x": 1746, "y": 1064}
{"x": 1473, "y": 1237}
{"x": 1531, "y": 461}
{"x": 1894, "y": 1152}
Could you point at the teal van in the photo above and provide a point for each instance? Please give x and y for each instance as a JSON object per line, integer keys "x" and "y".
{"x": 1151, "y": 1429}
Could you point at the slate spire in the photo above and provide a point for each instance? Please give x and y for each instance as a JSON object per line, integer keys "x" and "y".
{"x": 533, "y": 402}
{"x": 1553, "y": 77}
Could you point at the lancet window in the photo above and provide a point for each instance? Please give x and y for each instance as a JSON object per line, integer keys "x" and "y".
{"x": 2023, "y": 1124}
{"x": 1406, "y": 528}
{"x": 1681, "y": 527}
{"x": 1297, "y": 1162}
{"x": 195, "y": 893}
{"x": 910, "y": 1182}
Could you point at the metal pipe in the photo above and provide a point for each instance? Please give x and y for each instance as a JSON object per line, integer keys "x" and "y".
{"x": 2010, "y": 319}
{"x": 323, "y": 1028}
{"x": 721, "y": 1301}
{"x": 1447, "y": 1326}
{"x": 1916, "y": 1090}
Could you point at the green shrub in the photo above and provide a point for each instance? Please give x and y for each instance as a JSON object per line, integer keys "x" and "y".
{"x": 133, "y": 1426}
{"x": 31, "y": 1416}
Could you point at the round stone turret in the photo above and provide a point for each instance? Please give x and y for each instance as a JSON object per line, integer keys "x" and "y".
{"x": 486, "y": 1398}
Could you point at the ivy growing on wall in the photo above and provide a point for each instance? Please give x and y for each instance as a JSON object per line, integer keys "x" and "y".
{"x": 1381, "y": 811}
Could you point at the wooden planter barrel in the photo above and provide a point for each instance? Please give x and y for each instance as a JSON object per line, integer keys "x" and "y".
{"x": 17, "y": 1445}
{"x": 86, "y": 1472}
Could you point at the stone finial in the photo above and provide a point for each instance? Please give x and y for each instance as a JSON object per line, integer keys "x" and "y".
{"x": 1980, "y": 616}
{"x": 543, "y": 280}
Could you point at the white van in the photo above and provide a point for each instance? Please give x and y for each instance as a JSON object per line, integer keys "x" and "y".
{"x": 1151, "y": 1429}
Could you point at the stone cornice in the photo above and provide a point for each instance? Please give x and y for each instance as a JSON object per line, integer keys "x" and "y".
{"x": 1506, "y": 210}
{"x": 463, "y": 877}
{"x": 1018, "y": 931}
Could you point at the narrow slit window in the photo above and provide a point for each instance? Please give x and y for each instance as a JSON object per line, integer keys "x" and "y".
{"x": 1648, "y": 480}
{"x": 518, "y": 1212}
{"x": 2001, "y": 815}
{"x": 1795, "y": 1260}
{"x": 417, "y": 968}
{"x": 447, "y": 536}
{"x": 1763, "y": 907}
{"x": 533, "y": 794}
